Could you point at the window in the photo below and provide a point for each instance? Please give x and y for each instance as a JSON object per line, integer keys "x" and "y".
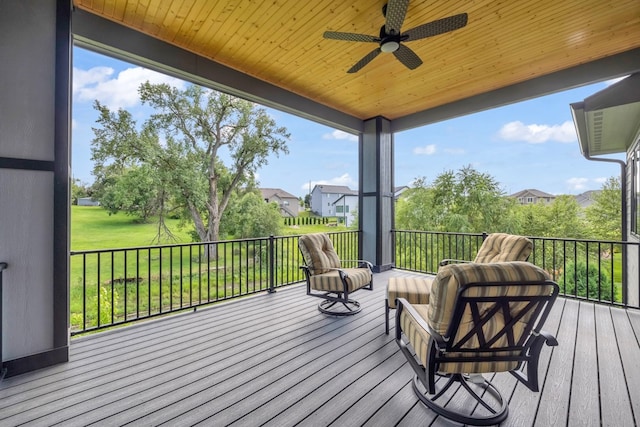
{"x": 529, "y": 199}
{"x": 338, "y": 209}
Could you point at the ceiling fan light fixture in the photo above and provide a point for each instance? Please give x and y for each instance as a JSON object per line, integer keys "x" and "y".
{"x": 390, "y": 46}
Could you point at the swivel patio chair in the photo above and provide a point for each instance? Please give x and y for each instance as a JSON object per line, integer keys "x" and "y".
{"x": 332, "y": 279}
{"x": 481, "y": 318}
{"x": 496, "y": 247}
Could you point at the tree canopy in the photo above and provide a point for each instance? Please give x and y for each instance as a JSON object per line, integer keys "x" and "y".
{"x": 473, "y": 202}
{"x": 190, "y": 157}
{"x": 604, "y": 215}
{"x": 463, "y": 201}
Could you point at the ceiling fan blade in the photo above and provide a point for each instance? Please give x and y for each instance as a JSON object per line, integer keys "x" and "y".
{"x": 350, "y": 37}
{"x": 434, "y": 28}
{"x": 408, "y": 57}
{"x": 364, "y": 61}
{"x": 395, "y": 13}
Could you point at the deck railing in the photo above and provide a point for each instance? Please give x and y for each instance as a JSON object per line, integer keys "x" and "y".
{"x": 111, "y": 287}
{"x": 585, "y": 269}
{"x": 115, "y": 286}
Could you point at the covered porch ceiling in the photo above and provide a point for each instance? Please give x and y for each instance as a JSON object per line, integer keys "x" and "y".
{"x": 273, "y": 51}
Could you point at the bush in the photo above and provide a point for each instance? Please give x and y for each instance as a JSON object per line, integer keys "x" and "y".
{"x": 577, "y": 276}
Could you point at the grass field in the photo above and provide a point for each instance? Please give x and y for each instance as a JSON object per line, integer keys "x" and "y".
{"x": 93, "y": 228}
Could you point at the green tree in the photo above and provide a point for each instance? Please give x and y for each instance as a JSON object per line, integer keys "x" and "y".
{"x": 463, "y": 201}
{"x": 531, "y": 219}
{"x": 583, "y": 282}
{"x": 184, "y": 142}
{"x": 563, "y": 218}
{"x": 604, "y": 216}
{"x": 413, "y": 208}
{"x": 135, "y": 191}
{"x": 249, "y": 216}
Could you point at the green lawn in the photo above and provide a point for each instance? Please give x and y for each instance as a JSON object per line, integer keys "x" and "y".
{"x": 93, "y": 228}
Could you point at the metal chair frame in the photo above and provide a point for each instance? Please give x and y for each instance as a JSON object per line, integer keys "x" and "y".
{"x": 528, "y": 348}
{"x": 332, "y": 298}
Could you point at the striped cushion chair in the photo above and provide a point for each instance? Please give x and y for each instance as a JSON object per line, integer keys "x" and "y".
{"x": 481, "y": 318}
{"x": 496, "y": 247}
{"x": 330, "y": 278}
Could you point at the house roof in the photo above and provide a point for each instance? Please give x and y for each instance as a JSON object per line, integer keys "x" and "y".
{"x": 586, "y": 196}
{"x": 532, "y": 193}
{"x": 276, "y": 55}
{"x": 608, "y": 121}
{"x": 335, "y": 189}
{"x": 344, "y": 197}
{"x": 268, "y": 193}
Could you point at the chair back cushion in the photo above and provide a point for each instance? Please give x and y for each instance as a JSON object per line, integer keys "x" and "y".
{"x": 451, "y": 278}
{"x": 499, "y": 247}
{"x": 318, "y": 253}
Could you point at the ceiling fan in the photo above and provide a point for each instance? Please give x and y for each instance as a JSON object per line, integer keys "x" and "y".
{"x": 391, "y": 38}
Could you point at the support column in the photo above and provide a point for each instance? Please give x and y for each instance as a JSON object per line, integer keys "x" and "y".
{"x": 376, "y": 207}
{"x": 35, "y": 83}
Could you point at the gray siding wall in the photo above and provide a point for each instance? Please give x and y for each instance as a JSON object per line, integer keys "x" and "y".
{"x": 32, "y": 178}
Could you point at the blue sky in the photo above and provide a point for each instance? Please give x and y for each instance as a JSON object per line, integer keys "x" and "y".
{"x": 531, "y": 144}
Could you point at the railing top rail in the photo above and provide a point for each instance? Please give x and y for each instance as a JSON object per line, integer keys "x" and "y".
{"x": 450, "y": 233}
{"x": 559, "y": 239}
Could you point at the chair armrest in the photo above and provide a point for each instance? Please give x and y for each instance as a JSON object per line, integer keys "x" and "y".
{"x": 452, "y": 261}
{"x": 549, "y": 339}
{"x": 361, "y": 263}
{"x": 403, "y": 304}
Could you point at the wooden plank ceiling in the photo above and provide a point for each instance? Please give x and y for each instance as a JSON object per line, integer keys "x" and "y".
{"x": 280, "y": 42}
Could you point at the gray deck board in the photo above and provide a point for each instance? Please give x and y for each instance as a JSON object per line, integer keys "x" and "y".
{"x": 554, "y": 402}
{"x": 584, "y": 407}
{"x": 613, "y": 385}
{"x": 274, "y": 360}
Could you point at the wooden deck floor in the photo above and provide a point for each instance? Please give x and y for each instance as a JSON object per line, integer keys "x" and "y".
{"x": 275, "y": 360}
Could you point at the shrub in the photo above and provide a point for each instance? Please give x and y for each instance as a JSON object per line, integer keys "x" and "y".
{"x": 577, "y": 277}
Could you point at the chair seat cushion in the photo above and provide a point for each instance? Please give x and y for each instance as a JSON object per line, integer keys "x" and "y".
{"x": 414, "y": 289}
{"x": 419, "y": 339}
{"x": 357, "y": 278}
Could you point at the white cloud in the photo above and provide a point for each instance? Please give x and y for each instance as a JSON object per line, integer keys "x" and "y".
{"x": 601, "y": 180}
{"x": 538, "y": 134}
{"x": 116, "y": 92}
{"x": 338, "y": 134}
{"x": 344, "y": 179}
{"x": 426, "y": 150}
{"x": 577, "y": 183}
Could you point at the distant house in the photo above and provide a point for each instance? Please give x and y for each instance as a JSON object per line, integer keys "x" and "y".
{"x": 529, "y": 196}
{"x": 586, "y": 199}
{"x": 397, "y": 191}
{"x": 346, "y": 208}
{"x": 287, "y": 202}
{"x": 324, "y": 197}
{"x": 87, "y": 201}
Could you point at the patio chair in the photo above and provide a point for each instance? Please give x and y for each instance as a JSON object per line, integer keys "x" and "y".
{"x": 332, "y": 279}
{"x": 496, "y": 247}
{"x": 481, "y": 318}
